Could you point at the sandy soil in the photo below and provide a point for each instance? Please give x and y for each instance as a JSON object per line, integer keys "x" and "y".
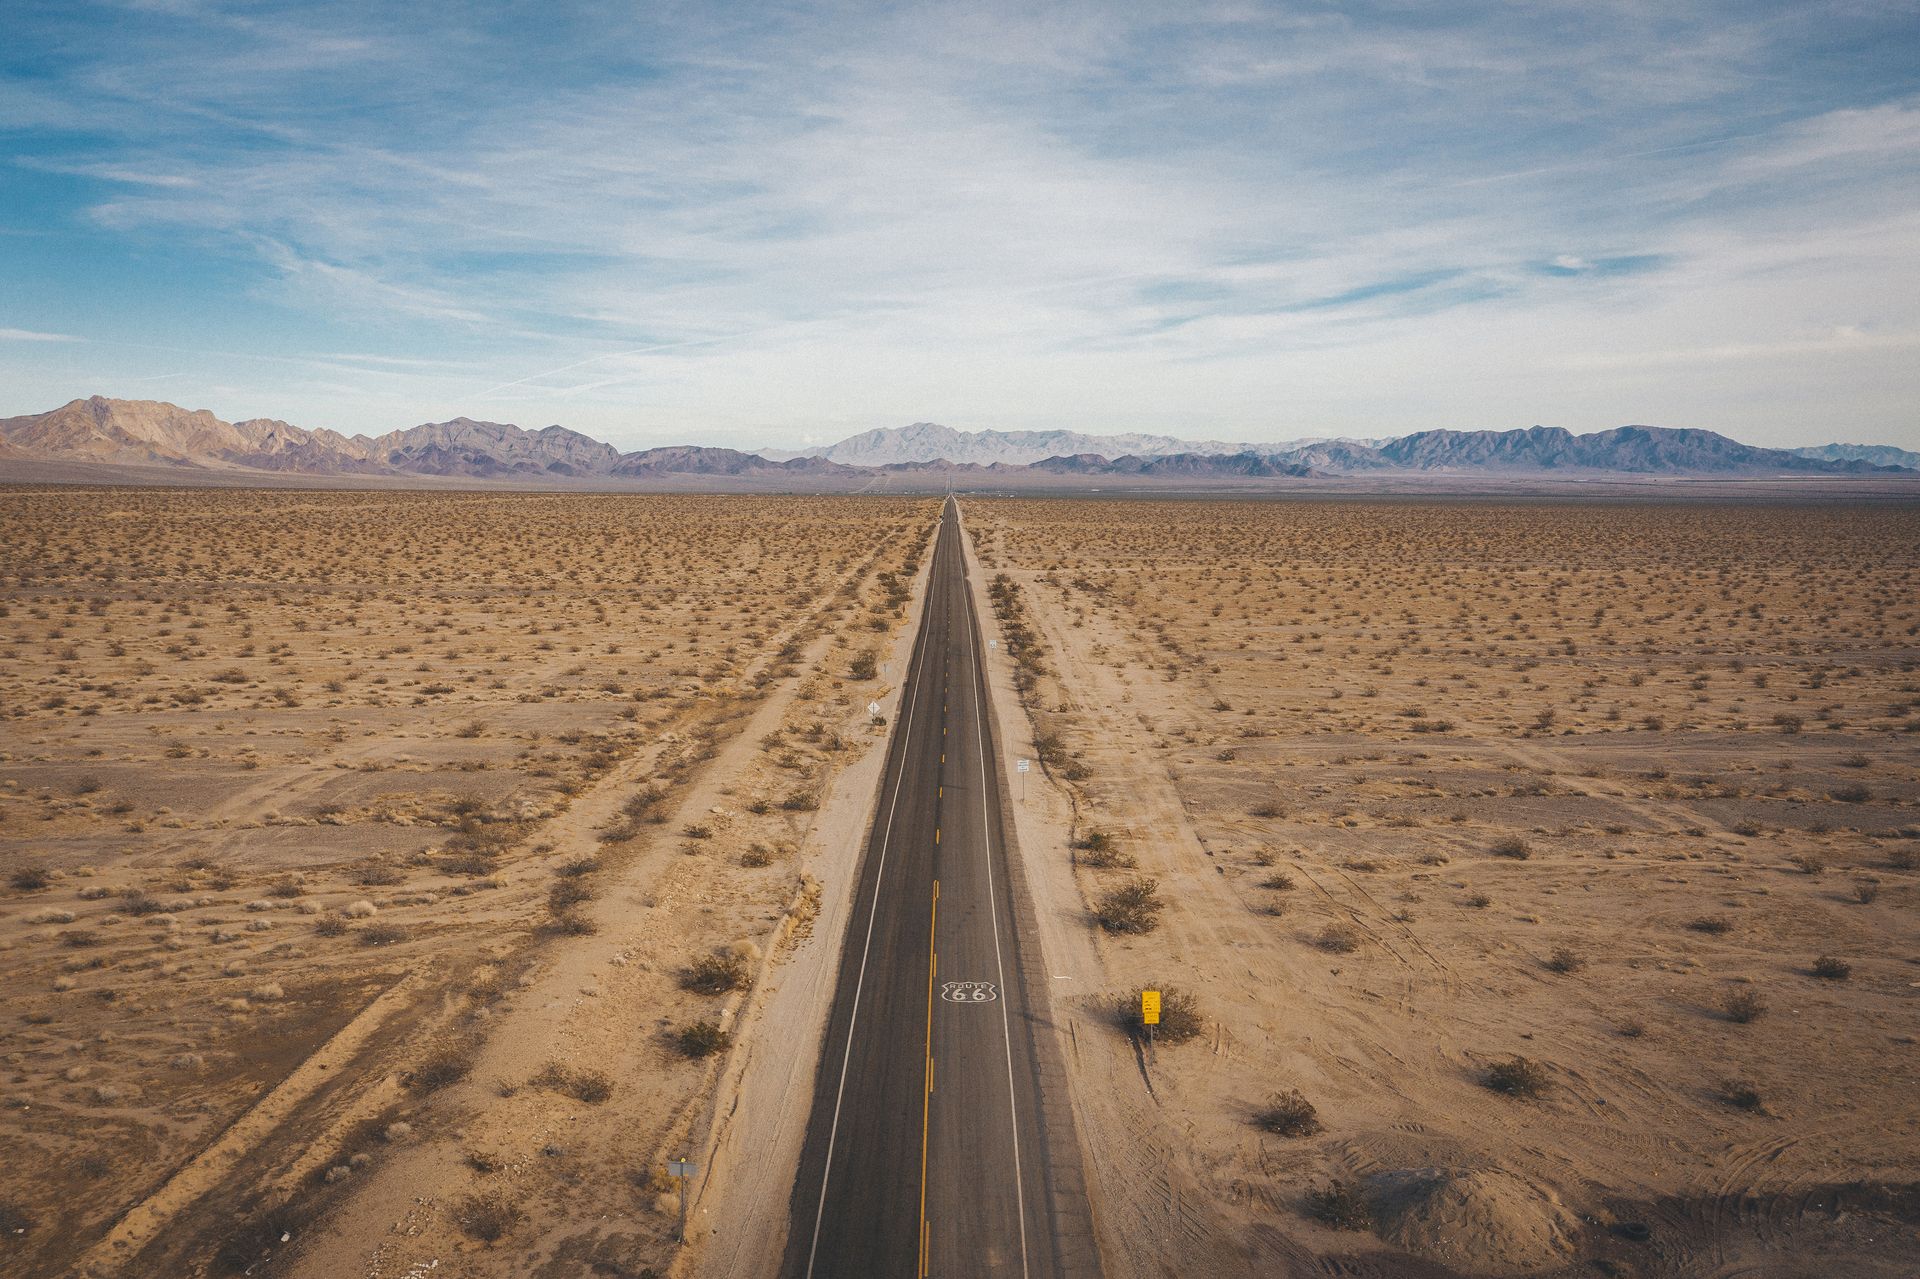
{"x": 1429, "y": 788}
{"x": 355, "y": 845}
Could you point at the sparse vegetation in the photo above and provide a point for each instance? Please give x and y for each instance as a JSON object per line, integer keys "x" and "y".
{"x": 1130, "y": 908}
{"x": 715, "y": 974}
{"x": 1288, "y": 1114}
{"x": 1517, "y": 1077}
{"x": 702, "y": 1039}
{"x": 490, "y": 1217}
{"x": 1340, "y": 1205}
{"x": 1742, "y": 1004}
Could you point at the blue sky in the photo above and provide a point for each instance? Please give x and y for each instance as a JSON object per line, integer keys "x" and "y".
{"x": 774, "y": 224}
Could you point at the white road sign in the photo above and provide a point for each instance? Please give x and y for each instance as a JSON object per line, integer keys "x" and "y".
{"x": 1020, "y": 766}
{"x": 873, "y": 708}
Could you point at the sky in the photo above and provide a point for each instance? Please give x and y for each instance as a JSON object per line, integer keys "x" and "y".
{"x": 761, "y": 224}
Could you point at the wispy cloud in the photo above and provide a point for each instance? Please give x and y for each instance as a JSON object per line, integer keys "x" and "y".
{"x": 1237, "y": 214}
{"x": 31, "y": 335}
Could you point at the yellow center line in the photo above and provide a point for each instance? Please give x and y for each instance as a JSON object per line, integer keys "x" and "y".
{"x": 926, "y": 1100}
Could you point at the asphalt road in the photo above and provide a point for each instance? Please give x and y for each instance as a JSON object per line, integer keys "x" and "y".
{"x": 939, "y": 1142}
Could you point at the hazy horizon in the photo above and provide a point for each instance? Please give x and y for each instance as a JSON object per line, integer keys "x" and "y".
{"x": 762, "y": 226}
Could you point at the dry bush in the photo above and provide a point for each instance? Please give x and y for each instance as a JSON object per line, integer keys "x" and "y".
{"x": 443, "y": 1069}
{"x": 1564, "y": 961}
{"x": 1340, "y": 1205}
{"x": 1517, "y": 1077}
{"x": 702, "y": 1039}
{"x": 1741, "y": 1094}
{"x": 1131, "y": 908}
{"x": 1830, "y": 968}
{"x": 1180, "y": 1019}
{"x": 489, "y": 1218}
{"x": 1338, "y": 939}
{"x": 30, "y": 879}
{"x": 1512, "y": 846}
{"x": 1742, "y": 1005}
{"x": 590, "y": 1086}
{"x": 1288, "y": 1114}
{"x": 715, "y": 974}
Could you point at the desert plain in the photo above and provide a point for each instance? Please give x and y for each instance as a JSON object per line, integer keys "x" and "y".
{"x": 390, "y": 877}
{"x": 1540, "y": 877}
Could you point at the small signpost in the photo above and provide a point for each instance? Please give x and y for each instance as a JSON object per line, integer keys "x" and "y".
{"x": 1149, "y": 1013}
{"x": 1022, "y": 767}
{"x": 683, "y": 1170}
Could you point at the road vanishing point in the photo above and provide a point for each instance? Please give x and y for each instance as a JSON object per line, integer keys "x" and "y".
{"x": 940, "y": 1142}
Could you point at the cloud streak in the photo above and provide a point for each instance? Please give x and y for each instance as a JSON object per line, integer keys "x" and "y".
{"x": 1248, "y": 218}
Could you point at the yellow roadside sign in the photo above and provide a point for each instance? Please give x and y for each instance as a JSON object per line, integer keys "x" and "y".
{"x": 1149, "y": 1007}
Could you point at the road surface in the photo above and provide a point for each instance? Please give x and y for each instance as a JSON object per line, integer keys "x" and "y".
{"x": 939, "y": 1143}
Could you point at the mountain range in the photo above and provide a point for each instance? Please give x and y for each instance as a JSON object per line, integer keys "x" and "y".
{"x": 145, "y": 436}
{"x": 931, "y": 442}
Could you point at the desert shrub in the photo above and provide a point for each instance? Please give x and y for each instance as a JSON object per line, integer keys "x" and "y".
{"x": 590, "y": 1086}
{"x": 702, "y": 1039}
{"x": 1512, "y": 846}
{"x": 444, "y": 1068}
{"x": 577, "y": 867}
{"x": 866, "y": 664}
{"x": 1131, "y": 908}
{"x": 715, "y": 974}
{"x": 1715, "y": 924}
{"x": 1741, "y": 1094}
{"x": 377, "y": 876}
{"x": 572, "y": 924}
{"x": 1563, "y": 960}
{"x": 383, "y": 934}
{"x": 1851, "y": 794}
{"x": 1831, "y": 968}
{"x": 1517, "y": 1077}
{"x": 801, "y": 801}
{"x": 1743, "y": 1004}
{"x": 1279, "y": 881}
{"x": 568, "y": 893}
{"x": 1180, "y": 1019}
{"x": 288, "y": 887}
{"x": 1109, "y": 857}
{"x": 1341, "y": 1205}
{"x": 1479, "y": 901}
{"x": 30, "y": 879}
{"x": 330, "y": 925}
{"x": 1338, "y": 939}
{"x": 1808, "y": 863}
{"x": 489, "y": 1218}
{"x": 1288, "y": 1115}
{"x": 1865, "y": 890}
{"x": 139, "y": 902}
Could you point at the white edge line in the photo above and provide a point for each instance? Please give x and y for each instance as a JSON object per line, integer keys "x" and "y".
{"x": 986, "y": 830}
{"x": 886, "y": 837}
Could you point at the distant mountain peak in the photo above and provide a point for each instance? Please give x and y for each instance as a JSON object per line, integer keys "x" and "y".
{"x": 151, "y": 433}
